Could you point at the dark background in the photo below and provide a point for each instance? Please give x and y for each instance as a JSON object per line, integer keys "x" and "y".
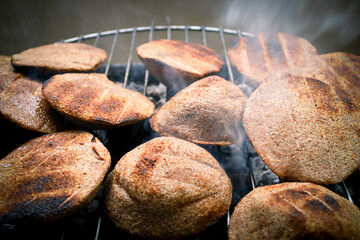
{"x": 329, "y": 25}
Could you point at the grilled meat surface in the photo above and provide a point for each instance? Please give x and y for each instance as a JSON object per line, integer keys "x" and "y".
{"x": 255, "y": 57}
{"x": 303, "y": 130}
{"x": 177, "y": 64}
{"x": 92, "y": 100}
{"x": 167, "y": 188}
{"x": 60, "y": 58}
{"x": 208, "y": 111}
{"x": 294, "y": 211}
{"x": 51, "y": 177}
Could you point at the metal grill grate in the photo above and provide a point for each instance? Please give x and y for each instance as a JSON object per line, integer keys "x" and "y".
{"x": 223, "y": 37}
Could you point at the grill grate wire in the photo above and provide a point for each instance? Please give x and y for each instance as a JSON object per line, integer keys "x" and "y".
{"x": 168, "y": 28}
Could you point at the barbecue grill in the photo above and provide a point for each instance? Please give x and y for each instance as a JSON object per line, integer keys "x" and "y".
{"x": 244, "y": 167}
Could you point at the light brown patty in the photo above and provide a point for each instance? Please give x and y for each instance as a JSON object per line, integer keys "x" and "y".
{"x": 51, "y": 177}
{"x": 7, "y": 72}
{"x": 167, "y": 188}
{"x": 22, "y": 102}
{"x": 256, "y": 56}
{"x": 176, "y": 63}
{"x": 91, "y": 99}
{"x": 294, "y": 211}
{"x": 303, "y": 130}
{"x": 208, "y": 111}
{"x": 61, "y": 57}
{"x": 343, "y": 74}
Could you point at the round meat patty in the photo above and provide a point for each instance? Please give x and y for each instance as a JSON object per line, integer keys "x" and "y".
{"x": 254, "y": 57}
{"x": 92, "y": 100}
{"x": 167, "y": 188}
{"x": 294, "y": 211}
{"x": 61, "y": 57}
{"x": 22, "y": 102}
{"x": 177, "y": 64}
{"x": 303, "y": 129}
{"x": 344, "y": 76}
{"x": 7, "y": 72}
{"x": 208, "y": 111}
{"x": 51, "y": 177}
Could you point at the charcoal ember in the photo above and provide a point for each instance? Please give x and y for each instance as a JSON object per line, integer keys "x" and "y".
{"x": 157, "y": 94}
{"x": 132, "y": 86}
{"x": 262, "y": 174}
{"x": 250, "y": 149}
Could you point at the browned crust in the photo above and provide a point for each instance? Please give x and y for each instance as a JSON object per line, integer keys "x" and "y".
{"x": 167, "y": 188}
{"x": 344, "y": 75}
{"x": 294, "y": 211}
{"x": 61, "y": 57}
{"x": 22, "y": 102}
{"x": 93, "y": 100}
{"x": 208, "y": 111}
{"x": 303, "y": 130}
{"x": 51, "y": 177}
{"x": 7, "y": 73}
{"x": 254, "y": 57}
{"x": 176, "y": 63}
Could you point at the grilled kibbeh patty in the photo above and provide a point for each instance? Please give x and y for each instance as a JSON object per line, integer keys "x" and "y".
{"x": 303, "y": 130}
{"x": 22, "y": 102}
{"x": 208, "y": 111}
{"x": 51, "y": 177}
{"x": 177, "y": 64}
{"x": 254, "y": 57}
{"x": 294, "y": 211}
{"x": 60, "y": 58}
{"x": 92, "y": 100}
{"x": 7, "y": 72}
{"x": 167, "y": 188}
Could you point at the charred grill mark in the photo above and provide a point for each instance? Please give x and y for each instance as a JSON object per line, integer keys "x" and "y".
{"x": 324, "y": 202}
{"x": 347, "y": 70}
{"x": 316, "y": 205}
{"x": 295, "y": 213}
{"x": 41, "y": 184}
{"x": 38, "y": 209}
{"x": 255, "y": 54}
{"x": 146, "y": 165}
{"x": 312, "y": 191}
{"x": 295, "y": 194}
{"x": 148, "y": 160}
{"x": 287, "y": 48}
{"x": 275, "y": 50}
{"x": 331, "y": 202}
{"x": 298, "y": 52}
{"x": 346, "y": 99}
